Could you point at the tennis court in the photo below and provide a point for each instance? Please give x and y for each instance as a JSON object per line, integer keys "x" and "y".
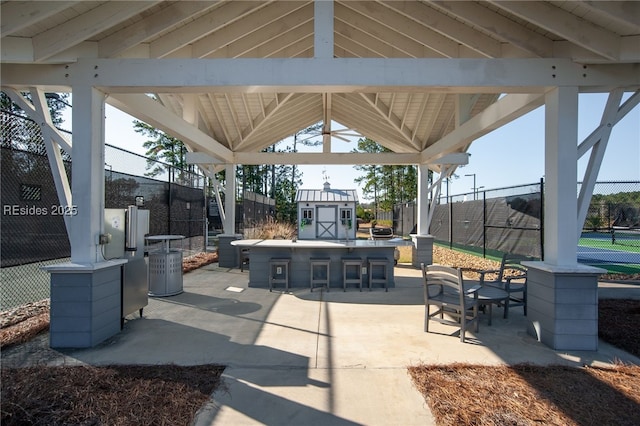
{"x": 616, "y": 251}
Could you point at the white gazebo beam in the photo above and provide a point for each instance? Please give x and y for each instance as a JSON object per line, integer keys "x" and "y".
{"x": 369, "y": 123}
{"x": 326, "y": 122}
{"x": 322, "y": 75}
{"x": 595, "y": 136}
{"x": 435, "y": 103}
{"x": 497, "y": 114}
{"x": 39, "y": 117}
{"x": 426, "y": 207}
{"x": 323, "y": 29}
{"x": 386, "y": 114}
{"x": 346, "y": 158}
{"x": 297, "y": 112}
{"x": 235, "y": 120}
{"x": 258, "y": 123}
{"x": 152, "y": 112}
{"x": 40, "y": 113}
{"x": 612, "y": 113}
{"x": 625, "y": 12}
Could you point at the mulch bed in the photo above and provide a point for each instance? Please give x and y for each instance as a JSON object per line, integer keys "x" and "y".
{"x": 463, "y": 394}
{"x": 111, "y": 395}
{"x": 198, "y": 260}
{"x": 619, "y": 324}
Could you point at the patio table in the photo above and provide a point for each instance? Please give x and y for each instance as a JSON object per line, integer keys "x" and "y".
{"x": 488, "y": 295}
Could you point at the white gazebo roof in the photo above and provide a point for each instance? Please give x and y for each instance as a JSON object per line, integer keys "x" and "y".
{"x": 234, "y": 77}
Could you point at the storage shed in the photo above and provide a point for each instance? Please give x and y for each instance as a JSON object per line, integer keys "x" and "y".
{"x": 326, "y": 214}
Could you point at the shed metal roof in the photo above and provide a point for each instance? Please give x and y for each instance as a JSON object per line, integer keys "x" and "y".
{"x": 327, "y": 195}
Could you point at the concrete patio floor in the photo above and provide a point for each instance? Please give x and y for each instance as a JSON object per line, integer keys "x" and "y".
{"x": 318, "y": 358}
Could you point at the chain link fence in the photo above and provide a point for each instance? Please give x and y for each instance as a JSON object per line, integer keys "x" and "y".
{"x": 32, "y": 230}
{"x": 611, "y": 233}
{"x": 492, "y": 222}
{"x": 511, "y": 220}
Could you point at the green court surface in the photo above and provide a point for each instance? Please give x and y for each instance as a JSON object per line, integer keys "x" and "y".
{"x": 604, "y": 241}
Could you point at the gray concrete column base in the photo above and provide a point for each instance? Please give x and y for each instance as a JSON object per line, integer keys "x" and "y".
{"x": 86, "y": 303}
{"x": 562, "y": 305}
{"x": 422, "y": 250}
{"x": 228, "y": 255}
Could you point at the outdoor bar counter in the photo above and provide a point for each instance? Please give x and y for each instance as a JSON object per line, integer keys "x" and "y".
{"x": 300, "y": 253}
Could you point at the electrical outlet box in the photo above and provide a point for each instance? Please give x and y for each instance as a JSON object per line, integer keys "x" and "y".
{"x": 114, "y": 221}
{"x": 364, "y": 270}
{"x": 104, "y": 239}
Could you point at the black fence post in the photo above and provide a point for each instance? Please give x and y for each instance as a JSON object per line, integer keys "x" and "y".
{"x": 484, "y": 224}
{"x": 450, "y": 221}
{"x": 170, "y": 203}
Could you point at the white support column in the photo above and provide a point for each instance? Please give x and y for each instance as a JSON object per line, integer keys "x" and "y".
{"x": 422, "y": 250}
{"x": 561, "y": 170}
{"x": 423, "y": 200}
{"x": 229, "y": 221}
{"x": 87, "y": 175}
{"x": 562, "y": 295}
{"x": 323, "y": 29}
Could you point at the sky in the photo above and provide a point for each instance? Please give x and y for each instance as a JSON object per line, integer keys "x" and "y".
{"x": 508, "y": 156}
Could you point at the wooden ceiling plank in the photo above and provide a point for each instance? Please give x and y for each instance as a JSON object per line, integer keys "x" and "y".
{"x": 151, "y": 26}
{"x": 204, "y": 25}
{"x": 448, "y": 27}
{"x": 84, "y": 26}
{"x": 17, "y": 15}
{"x": 565, "y": 25}
{"x": 500, "y": 26}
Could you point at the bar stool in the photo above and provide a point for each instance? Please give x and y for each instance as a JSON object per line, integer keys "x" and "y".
{"x": 279, "y": 272}
{"x": 347, "y": 278}
{"x": 322, "y": 267}
{"x": 380, "y": 264}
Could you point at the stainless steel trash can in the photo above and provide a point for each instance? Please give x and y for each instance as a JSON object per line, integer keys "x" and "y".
{"x": 165, "y": 267}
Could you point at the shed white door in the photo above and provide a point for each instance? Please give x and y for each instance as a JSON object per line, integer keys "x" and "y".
{"x": 327, "y": 218}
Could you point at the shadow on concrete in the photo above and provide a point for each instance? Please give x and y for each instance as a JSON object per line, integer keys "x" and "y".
{"x": 226, "y": 306}
{"x": 407, "y": 291}
{"x": 268, "y": 408}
